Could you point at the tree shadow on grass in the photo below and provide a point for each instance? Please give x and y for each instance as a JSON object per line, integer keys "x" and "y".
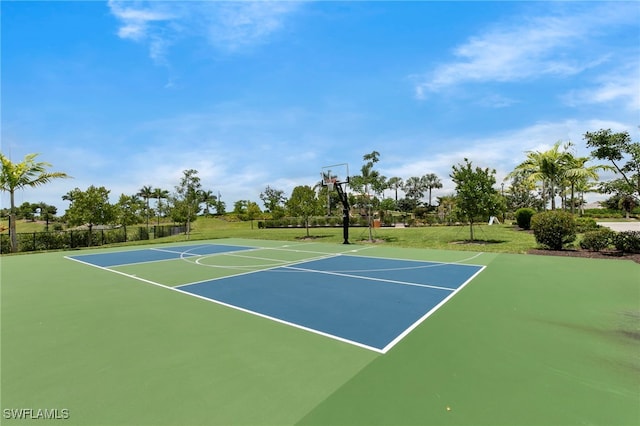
{"x": 478, "y": 242}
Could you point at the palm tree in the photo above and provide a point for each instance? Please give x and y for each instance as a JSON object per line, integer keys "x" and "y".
{"x": 577, "y": 172}
{"x": 431, "y": 181}
{"x": 395, "y": 183}
{"x": 369, "y": 178}
{"x": 414, "y": 188}
{"x": 546, "y": 167}
{"x": 208, "y": 199}
{"x": 160, "y": 194}
{"x": 27, "y": 173}
{"x": 146, "y": 192}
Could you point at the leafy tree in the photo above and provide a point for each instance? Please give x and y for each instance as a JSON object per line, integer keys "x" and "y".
{"x": 273, "y": 200}
{"x": 622, "y": 153}
{"x": 187, "y": 199}
{"x": 446, "y": 208}
{"x": 303, "y": 203}
{"x": 90, "y": 207}
{"x": 476, "y": 197}
{"x": 431, "y": 181}
{"x": 388, "y": 204}
{"x": 128, "y": 210}
{"x": 26, "y": 211}
{"x": 27, "y": 173}
{"x": 520, "y": 193}
{"x": 240, "y": 207}
{"x": 253, "y": 211}
{"x": 47, "y": 213}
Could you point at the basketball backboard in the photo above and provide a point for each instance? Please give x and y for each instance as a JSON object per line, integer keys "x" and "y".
{"x": 334, "y": 174}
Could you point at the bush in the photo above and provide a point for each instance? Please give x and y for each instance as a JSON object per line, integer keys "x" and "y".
{"x": 523, "y": 217}
{"x": 585, "y": 224}
{"x": 554, "y": 229}
{"x": 598, "y": 239}
{"x": 627, "y": 241}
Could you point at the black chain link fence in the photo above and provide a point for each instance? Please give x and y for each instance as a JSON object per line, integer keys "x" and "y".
{"x": 60, "y": 240}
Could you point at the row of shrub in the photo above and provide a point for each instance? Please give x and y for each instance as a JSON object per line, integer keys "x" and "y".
{"x": 604, "y": 238}
{"x": 297, "y": 222}
{"x": 556, "y": 229}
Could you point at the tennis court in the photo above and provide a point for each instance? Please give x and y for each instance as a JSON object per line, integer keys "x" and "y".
{"x": 370, "y": 302}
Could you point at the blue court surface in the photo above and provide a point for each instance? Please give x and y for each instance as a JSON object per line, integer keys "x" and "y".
{"x": 366, "y": 301}
{"x": 129, "y": 257}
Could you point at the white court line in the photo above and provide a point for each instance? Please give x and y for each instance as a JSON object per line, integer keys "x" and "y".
{"x": 428, "y": 314}
{"x": 371, "y": 278}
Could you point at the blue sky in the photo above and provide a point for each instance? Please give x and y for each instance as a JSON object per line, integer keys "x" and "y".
{"x": 124, "y": 94}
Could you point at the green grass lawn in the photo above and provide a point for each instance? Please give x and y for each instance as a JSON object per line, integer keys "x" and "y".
{"x": 533, "y": 340}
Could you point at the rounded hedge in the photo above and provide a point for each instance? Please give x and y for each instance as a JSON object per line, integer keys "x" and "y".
{"x": 523, "y": 217}
{"x": 627, "y": 241}
{"x": 554, "y": 229}
{"x": 597, "y": 240}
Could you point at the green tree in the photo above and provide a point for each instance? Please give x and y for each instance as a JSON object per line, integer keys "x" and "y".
{"x": 395, "y": 183}
{"x": 128, "y": 210}
{"x": 622, "y": 153}
{"x": 431, "y": 181}
{"x": 27, "y": 211}
{"x": 47, "y": 213}
{"x": 28, "y": 173}
{"x": 253, "y": 211}
{"x": 146, "y": 192}
{"x": 160, "y": 194}
{"x": 521, "y": 193}
{"x": 414, "y": 189}
{"x": 209, "y": 200}
{"x": 446, "y": 208}
{"x": 369, "y": 180}
{"x": 304, "y": 204}
{"x": 240, "y": 207}
{"x": 187, "y": 199}
{"x": 90, "y": 207}
{"x": 577, "y": 171}
{"x": 548, "y": 168}
{"x": 273, "y": 200}
{"x": 476, "y": 197}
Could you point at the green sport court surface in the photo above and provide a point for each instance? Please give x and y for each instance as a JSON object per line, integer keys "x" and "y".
{"x": 525, "y": 340}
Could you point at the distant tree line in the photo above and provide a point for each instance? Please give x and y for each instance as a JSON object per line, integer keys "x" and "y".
{"x": 538, "y": 182}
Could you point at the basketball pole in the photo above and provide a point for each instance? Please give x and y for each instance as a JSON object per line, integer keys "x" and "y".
{"x": 345, "y": 210}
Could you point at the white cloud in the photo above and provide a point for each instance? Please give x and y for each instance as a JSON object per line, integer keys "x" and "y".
{"x": 527, "y": 48}
{"x": 501, "y": 152}
{"x": 227, "y": 26}
{"x": 137, "y": 17}
{"x": 619, "y": 87}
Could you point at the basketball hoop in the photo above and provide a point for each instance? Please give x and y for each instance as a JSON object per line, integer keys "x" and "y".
{"x": 331, "y": 184}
